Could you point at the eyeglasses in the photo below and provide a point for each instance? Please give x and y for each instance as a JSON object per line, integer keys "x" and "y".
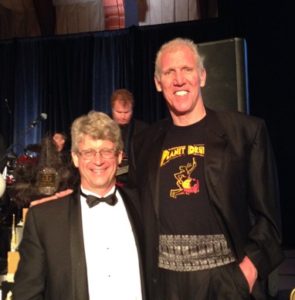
{"x": 104, "y": 153}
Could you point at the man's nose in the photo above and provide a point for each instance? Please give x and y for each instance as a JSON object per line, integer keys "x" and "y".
{"x": 98, "y": 157}
{"x": 179, "y": 78}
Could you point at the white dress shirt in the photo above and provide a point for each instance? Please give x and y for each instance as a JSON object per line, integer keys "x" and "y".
{"x": 111, "y": 253}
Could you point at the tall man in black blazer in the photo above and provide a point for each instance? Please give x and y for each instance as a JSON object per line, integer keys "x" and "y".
{"x": 208, "y": 190}
{"x": 85, "y": 245}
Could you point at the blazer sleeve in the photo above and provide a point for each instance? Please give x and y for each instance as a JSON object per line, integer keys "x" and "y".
{"x": 30, "y": 275}
{"x": 264, "y": 239}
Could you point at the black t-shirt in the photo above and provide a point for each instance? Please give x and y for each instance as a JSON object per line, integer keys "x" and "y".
{"x": 184, "y": 202}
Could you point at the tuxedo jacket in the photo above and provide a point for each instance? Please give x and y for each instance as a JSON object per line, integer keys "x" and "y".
{"x": 240, "y": 176}
{"x": 52, "y": 259}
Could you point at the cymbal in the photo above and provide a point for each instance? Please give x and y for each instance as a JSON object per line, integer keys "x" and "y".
{"x": 33, "y": 148}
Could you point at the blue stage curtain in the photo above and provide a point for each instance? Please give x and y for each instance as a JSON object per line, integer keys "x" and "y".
{"x": 68, "y": 75}
{"x": 6, "y": 90}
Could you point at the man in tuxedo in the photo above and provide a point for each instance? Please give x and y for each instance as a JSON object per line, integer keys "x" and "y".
{"x": 85, "y": 245}
{"x": 208, "y": 189}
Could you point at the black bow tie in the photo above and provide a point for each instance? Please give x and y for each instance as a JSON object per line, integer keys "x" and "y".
{"x": 93, "y": 200}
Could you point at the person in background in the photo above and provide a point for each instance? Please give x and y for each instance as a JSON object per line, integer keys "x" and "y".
{"x": 81, "y": 245}
{"x": 208, "y": 189}
{"x": 122, "y": 103}
{"x": 60, "y": 141}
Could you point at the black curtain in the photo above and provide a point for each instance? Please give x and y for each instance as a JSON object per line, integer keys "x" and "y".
{"x": 66, "y": 76}
{"x": 6, "y": 91}
{"x": 112, "y": 67}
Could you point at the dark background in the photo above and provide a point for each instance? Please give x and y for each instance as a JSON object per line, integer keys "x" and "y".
{"x": 66, "y": 76}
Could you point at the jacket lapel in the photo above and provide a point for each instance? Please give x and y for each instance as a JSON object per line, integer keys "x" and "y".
{"x": 154, "y": 164}
{"x": 216, "y": 144}
{"x": 131, "y": 200}
{"x": 79, "y": 270}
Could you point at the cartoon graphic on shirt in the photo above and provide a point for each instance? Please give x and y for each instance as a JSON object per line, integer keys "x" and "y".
{"x": 186, "y": 185}
{"x": 185, "y": 181}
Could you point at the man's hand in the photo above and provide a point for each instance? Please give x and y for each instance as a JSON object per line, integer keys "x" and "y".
{"x": 249, "y": 271}
{"x": 53, "y": 197}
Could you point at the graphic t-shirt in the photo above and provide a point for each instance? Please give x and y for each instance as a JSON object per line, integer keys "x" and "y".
{"x": 184, "y": 202}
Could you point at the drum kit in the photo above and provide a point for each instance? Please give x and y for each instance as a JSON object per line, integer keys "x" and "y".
{"x": 28, "y": 158}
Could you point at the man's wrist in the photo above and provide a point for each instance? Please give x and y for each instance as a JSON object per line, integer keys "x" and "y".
{"x": 250, "y": 272}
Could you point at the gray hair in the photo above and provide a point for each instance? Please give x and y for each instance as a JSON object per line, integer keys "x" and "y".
{"x": 97, "y": 125}
{"x": 175, "y": 44}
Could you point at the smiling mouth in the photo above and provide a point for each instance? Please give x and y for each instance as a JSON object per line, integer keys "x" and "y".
{"x": 98, "y": 171}
{"x": 181, "y": 93}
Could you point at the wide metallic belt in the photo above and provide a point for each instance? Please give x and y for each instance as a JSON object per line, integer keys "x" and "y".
{"x": 185, "y": 253}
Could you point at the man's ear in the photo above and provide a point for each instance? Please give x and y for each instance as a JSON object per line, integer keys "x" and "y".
{"x": 120, "y": 157}
{"x": 75, "y": 158}
{"x": 203, "y": 76}
{"x": 158, "y": 84}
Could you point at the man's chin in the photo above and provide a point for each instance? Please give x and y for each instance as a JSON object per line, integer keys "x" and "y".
{"x": 179, "y": 113}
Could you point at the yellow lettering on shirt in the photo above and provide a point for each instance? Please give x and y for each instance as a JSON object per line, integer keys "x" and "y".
{"x": 172, "y": 153}
{"x": 196, "y": 150}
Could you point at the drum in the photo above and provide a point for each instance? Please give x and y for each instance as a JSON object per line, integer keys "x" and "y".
{"x": 26, "y": 159}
